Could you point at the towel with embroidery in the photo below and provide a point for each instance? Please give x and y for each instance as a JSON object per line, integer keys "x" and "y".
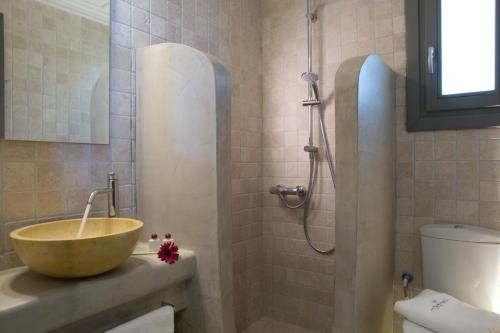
{"x": 443, "y": 313}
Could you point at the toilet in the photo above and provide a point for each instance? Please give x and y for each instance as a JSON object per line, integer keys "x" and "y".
{"x": 462, "y": 261}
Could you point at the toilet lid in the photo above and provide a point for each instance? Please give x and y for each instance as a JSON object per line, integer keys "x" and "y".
{"x": 461, "y": 232}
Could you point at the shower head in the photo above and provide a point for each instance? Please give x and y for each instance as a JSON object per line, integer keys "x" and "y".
{"x": 310, "y": 77}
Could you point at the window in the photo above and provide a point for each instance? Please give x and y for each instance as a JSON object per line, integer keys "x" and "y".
{"x": 453, "y": 64}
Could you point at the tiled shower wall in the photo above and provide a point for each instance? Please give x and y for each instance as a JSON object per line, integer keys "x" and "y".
{"x": 41, "y": 181}
{"x": 442, "y": 176}
{"x": 299, "y": 284}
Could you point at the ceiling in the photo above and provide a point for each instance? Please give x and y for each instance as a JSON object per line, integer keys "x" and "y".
{"x": 96, "y": 10}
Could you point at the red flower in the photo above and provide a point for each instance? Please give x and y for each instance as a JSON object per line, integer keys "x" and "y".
{"x": 168, "y": 252}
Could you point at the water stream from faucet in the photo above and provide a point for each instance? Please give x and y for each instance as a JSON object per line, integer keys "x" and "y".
{"x": 84, "y": 221}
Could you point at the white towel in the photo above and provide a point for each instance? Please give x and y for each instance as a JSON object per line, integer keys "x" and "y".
{"x": 409, "y": 327}
{"x": 444, "y": 314}
{"x": 158, "y": 321}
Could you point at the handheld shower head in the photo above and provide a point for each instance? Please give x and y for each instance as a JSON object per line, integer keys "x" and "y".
{"x": 310, "y": 77}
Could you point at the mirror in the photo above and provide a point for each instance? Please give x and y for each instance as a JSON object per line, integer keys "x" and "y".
{"x": 56, "y": 70}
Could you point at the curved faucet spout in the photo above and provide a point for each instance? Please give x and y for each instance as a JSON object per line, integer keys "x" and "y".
{"x": 95, "y": 193}
{"x": 112, "y": 191}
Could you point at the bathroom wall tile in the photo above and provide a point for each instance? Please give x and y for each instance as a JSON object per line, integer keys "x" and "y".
{"x": 50, "y": 175}
{"x": 121, "y": 57}
{"x": 467, "y": 150}
{"x": 467, "y": 170}
{"x": 446, "y": 150}
{"x": 121, "y": 103}
{"x": 18, "y": 151}
{"x": 124, "y": 173}
{"x": 468, "y": 211}
{"x": 424, "y": 151}
{"x": 489, "y": 214}
{"x": 120, "y": 127}
{"x": 76, "y": 175}
{"x": 18, "y": 176}
{"x": 446, "y": 135}
{"x": 467, "y": 190}
{"x": 121, "y": 34}
{"x": 158, "y": 27}
{"x": 159, "y": 8}
{"x": 424, "y": 170}
{"x": 18, "y": 205}
{"x": 121, "y": 80}
{"x": 77, "y": 152}
{"x": 120, "y": 12}
{"x": 50, "y": 204}
{"x": 404, "y": 170}
{"x": 445, "y": 190}
{"x": 100, "y": 153}
{"x": 121, "y": 150}
{"x": 75, "y": 201}
{"x": 445, "y": 170}
{"x": 142, "y": 4}
{"x": 489, "y": 170}
{"x": 489, "y": 191}
{"x": 46, "y": 151}
{"x": 489, "y": 149}
{"x": 140, "y": 38}
{"x": 126, "y": 196}
{"x": 140, "y": 19}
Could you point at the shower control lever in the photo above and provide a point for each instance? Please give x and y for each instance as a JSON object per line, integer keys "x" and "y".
{"x": 285, "y": 190}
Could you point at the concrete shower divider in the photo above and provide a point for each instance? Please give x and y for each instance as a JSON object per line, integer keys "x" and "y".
{"x": 365, "y": 195}
{"x": 184, "y": 170}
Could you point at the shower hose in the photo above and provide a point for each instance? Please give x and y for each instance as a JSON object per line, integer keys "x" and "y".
{"x": 313, "y": 171}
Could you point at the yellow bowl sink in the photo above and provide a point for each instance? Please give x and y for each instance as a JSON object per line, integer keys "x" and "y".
{"x": 53, "y": 249}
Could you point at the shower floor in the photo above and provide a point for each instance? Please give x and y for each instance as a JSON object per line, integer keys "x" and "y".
{"x": 268, "y": 325}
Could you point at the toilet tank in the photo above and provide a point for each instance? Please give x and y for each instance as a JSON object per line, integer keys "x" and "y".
{"x": 462, "y": 261}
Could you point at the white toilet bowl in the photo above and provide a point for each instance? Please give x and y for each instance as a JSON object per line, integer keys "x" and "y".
{"x": 461, "y": 261}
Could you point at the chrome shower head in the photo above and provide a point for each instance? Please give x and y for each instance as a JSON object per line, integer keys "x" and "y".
{"x": 310, "y": 77}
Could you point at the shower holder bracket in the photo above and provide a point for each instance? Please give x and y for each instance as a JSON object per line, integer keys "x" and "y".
{"x": 311, "y": 149}
{"x": 314, "y": 17}
{"x": 311, "y": 102}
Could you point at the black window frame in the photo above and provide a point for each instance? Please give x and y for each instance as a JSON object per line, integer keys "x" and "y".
{"x": 426, "y": 109}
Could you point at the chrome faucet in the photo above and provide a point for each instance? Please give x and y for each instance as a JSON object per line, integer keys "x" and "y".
{"x": 112, "y": 191}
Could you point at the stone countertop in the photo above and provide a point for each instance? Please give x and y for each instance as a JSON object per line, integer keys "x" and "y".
{"x": 30, "y": 302}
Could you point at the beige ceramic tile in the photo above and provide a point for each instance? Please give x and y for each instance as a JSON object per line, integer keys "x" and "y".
{"x": 18, "y": 176}
{"x": 50, "y": 204}
{"x": 18, "y": 205}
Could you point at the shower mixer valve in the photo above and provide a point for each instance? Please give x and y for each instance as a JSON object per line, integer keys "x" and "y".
{"x": 283, "y": 190}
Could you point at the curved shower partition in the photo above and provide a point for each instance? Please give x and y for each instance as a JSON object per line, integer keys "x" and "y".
{"x": 183, "y": 170}
{"x": 365, "y": 195}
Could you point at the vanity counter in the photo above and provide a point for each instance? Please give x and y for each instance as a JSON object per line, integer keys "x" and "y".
{"x": 30, "y": 302}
